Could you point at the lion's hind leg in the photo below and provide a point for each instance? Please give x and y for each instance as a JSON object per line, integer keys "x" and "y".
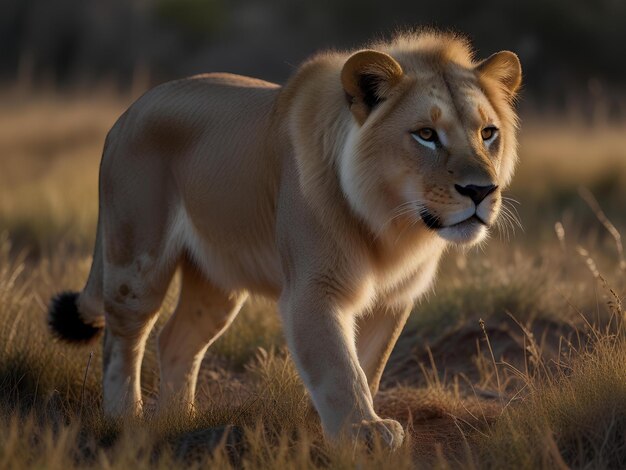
{"x": 132, "y": 297}
{"x": 203, "y": 313}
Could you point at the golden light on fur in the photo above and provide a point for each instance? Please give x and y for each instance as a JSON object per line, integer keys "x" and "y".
{"x": 339, "y": 210}
{"x": 503, "y": 67}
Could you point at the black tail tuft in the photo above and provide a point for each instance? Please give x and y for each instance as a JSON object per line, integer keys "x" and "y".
{"x": 65, "y": 322}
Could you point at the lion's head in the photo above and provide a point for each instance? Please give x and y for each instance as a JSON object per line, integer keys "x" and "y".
{"x": 434, "y": 136}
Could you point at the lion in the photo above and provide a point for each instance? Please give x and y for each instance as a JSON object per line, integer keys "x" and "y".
{"x": 334, "y": 195}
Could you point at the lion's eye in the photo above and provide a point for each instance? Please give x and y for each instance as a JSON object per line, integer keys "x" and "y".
{"x": 427, "y": 137}
{"x": 427, "y": 134}
{"x": 489, "y": 133}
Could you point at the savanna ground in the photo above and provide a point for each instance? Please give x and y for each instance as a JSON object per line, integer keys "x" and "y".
{"x": 517, "y": 359}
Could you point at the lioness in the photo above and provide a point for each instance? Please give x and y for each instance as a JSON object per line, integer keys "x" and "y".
{"x": 335, "y": 194}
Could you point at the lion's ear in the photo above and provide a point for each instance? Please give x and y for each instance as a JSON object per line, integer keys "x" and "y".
{"x": 367, "y": 78}
{"x": 505, "y": 68}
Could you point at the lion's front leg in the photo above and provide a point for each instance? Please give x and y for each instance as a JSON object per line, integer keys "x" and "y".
{"x": 321, "y": 338}
{"x": 377, "y": 334}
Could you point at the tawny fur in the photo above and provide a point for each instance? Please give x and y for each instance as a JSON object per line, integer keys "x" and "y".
{"x": 314, "y": 194}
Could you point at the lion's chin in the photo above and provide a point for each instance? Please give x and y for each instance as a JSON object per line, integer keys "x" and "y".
{"x": 467, "y": 232}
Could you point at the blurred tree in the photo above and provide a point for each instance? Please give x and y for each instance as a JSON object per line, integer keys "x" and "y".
{"x": 195, "y": 20}
{"x": 564, "y": 44}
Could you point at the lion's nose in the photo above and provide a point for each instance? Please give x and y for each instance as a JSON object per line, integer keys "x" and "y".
{"x": 476, "y": 193}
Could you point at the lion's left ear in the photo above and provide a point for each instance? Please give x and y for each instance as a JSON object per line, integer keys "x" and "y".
{"x": 367, "y": 78}
{"x": 503, "y": 67}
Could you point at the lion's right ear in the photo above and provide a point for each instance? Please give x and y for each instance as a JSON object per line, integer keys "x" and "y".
{"x": 367, "y": 78}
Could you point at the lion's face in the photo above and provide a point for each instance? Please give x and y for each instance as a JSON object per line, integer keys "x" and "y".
{"x": 434, "y": 155}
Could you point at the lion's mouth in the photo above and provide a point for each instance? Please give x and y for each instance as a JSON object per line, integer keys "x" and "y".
{"x": 433, "y": 222}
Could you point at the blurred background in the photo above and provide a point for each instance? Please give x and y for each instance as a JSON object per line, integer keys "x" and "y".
{"x": 68, "y": 68}
{"x": 570, "y": 49}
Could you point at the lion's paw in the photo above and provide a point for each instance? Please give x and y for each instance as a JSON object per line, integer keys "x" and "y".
{"x": 387, "y": 431}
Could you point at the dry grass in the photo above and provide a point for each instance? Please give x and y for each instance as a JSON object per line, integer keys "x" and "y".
{"x": 539, "y": 383}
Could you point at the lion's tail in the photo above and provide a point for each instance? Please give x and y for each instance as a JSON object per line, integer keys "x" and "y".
{"x": 78, "y": 317}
